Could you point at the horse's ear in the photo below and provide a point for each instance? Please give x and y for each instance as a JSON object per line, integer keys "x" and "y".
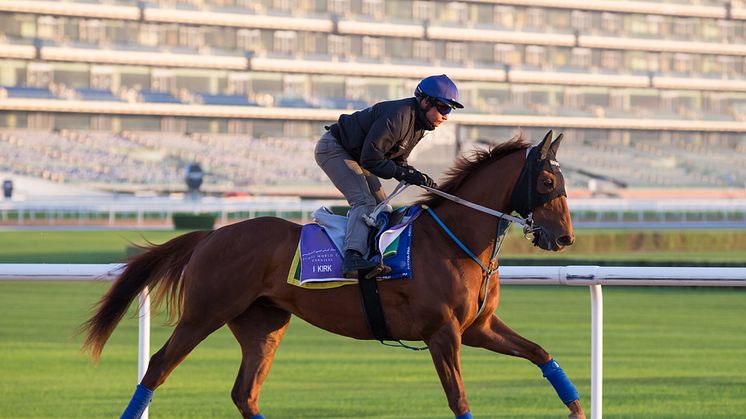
{"x": 545, "y": 143}
{"x": 556, "y": 143}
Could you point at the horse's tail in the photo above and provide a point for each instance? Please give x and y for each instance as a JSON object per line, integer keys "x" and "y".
{"x": 161, "y": 266}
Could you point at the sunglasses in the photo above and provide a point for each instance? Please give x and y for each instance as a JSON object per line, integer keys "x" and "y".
{"x": 443, "y": 108}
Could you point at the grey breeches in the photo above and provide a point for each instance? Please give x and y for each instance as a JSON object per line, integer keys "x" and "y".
{"x": 361, "y": 188}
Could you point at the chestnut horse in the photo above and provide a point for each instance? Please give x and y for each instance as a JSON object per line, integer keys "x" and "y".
{"x": 237, "y": 275}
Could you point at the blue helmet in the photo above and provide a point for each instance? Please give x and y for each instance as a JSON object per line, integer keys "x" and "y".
{"x": 441, "y": 88}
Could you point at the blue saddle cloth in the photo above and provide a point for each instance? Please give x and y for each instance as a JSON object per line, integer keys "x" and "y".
{"x": 319, "y": 254}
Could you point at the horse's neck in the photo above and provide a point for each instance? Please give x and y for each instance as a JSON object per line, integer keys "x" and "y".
{"x": 491, "y": 187}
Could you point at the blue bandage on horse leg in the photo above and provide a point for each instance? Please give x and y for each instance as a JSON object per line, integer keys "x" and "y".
{"x": 140, "y": 401}
{"x": 466, "y": 415}
{"x": 562, "y": 385}
{"x": 257, "y": 416}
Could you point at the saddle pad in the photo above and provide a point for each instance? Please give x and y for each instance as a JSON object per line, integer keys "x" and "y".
{"x": 318, "y": 262}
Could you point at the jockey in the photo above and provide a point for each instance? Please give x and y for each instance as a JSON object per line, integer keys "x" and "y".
{"x": 374, "y": 143}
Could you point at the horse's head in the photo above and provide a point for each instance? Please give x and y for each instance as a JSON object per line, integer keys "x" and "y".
{"x": 540, "y": 195}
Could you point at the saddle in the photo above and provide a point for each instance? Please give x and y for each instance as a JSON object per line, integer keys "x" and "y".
{"x": 318, "y": 257}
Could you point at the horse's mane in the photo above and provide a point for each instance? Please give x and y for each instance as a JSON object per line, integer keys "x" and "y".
{"x": 466, "y": 165}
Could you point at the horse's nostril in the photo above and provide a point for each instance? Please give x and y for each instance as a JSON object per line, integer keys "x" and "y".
{"x": 565, "y": 240}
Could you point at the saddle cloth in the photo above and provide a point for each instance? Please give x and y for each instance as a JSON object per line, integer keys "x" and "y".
{"x": 318, "y": 257}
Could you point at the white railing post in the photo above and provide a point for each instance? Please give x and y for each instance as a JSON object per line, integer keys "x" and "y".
{"x": 597, "y": 350}
{"x": 143, "y": 355}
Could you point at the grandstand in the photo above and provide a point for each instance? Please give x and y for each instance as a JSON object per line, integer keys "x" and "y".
{"x": 128, "y": 92}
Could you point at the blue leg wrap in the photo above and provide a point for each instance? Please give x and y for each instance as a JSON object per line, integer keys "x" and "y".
{"x": 562, "y": 385}
{"x": 140, "y": 401}
{"x": 257, "y": 416}
{"x": 466, "y": 415}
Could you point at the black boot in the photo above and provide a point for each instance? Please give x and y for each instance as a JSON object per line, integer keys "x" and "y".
{"x": 354, "y": 262}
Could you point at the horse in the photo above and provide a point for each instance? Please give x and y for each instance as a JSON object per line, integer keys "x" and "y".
{"x": 237, "y": 275}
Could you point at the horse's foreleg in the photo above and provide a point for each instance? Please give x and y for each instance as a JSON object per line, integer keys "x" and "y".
{"x": 258, "y": 330}
{"x": 444, "y": 347}
{"x": 496, "y": 336}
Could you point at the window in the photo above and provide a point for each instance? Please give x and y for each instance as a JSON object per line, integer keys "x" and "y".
{"x": 239, "y": 84}
{"x": 728, "y": 30}
{"x": 655, "y": 24}
{"x": 191, "y": 37}
{"x": 582, "y": 21}
{"x": 373, "y": 47}
{"x": 505, "y": 16}
{"x": 535, "y": 55}
{"x": 581, "y": 57}
{"x": 457, "y": 12}
{"x": 611, "y": 22}
{"x": 249, "y": 39}
{"x": 456, "y": 52}
{"x": 285, "y": 42}
{"x": 611, "y": 59}
{"x": 683, "y": 27}
{"x": 423, "y": 50}
{"x": 520, "y": 95}
{"x": 149, "y": 34}
{"x": 507, "y": 54}
{"x": 49, "y": 27}
{"x": 339, "y": 45}
{"x": 102, "y": 78}
{"x": 39, "y": 74}
{"x": 91, "y": 31}
{"x": 574, "y": 99}
{"x": 283, "y": 5}
{"x": 294, "y": 85}
{"x": 729, "y": 65}
{"x": 683, "y": 63}
{"x": 373, "y": 8}
{"x": 162, "y": 80}
{"x": 536, "y": 18}
{"x": 338, "y": 7}
{"x": 637, "y": 61}
{"x": 423, "y": 10}
{"x": 356, "y": 88}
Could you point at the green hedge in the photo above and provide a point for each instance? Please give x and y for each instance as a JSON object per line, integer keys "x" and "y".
{"x": 190, "y": 221}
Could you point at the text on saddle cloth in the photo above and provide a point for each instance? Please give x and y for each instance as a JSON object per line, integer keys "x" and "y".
{"x": 318, "y": 258}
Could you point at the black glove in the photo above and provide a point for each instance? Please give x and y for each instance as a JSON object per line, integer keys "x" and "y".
{"x": 414, "y": 177}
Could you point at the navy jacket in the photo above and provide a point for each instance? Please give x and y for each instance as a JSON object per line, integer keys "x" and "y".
{"x": 381, "y": 137}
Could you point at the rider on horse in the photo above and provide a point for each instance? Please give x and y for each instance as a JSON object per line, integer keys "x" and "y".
{"x": 374, "y": 143}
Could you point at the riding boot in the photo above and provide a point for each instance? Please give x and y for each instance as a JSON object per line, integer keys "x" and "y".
{"x": 354, "y": 262}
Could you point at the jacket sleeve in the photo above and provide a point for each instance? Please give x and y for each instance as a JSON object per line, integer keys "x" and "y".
{"x": 382, "y": 136}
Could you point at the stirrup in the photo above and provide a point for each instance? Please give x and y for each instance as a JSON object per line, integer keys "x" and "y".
{"x": 377, "y": 271}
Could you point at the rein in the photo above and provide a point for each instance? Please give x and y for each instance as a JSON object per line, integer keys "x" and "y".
{"x": 492, "y": 267}
{"x": 502, "y": 226}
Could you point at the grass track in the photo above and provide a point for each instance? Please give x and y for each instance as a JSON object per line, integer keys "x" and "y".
{"x": 670, "y": 353}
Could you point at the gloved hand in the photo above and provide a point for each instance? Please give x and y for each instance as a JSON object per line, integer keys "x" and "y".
{"x": 414, "y": 177}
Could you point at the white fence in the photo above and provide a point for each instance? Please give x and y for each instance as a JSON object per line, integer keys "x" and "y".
{"x": 591, "y": 276}
{"x": 112, "y": 211}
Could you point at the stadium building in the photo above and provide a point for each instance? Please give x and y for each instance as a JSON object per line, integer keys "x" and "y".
{"x": 125, "y": 93}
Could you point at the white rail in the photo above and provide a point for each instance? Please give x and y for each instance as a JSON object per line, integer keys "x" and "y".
{"x": 591, "y": 276}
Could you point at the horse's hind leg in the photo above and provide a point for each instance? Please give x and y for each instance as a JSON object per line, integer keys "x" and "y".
{"x": 258, "y": 330}
{"x": 184, "y": 338}
{"x": 495, "y": 335}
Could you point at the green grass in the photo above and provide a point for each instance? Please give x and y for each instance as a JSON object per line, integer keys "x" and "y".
{"x": 59, "y": 246}
{"x": 669, "y": 353}
{"x": 613, "y": 246}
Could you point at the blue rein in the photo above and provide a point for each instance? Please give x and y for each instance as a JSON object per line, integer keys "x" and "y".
{"x": 487, "y": 270}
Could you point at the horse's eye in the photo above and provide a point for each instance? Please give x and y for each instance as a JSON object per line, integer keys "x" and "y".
{"x": 548, "y": 183}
